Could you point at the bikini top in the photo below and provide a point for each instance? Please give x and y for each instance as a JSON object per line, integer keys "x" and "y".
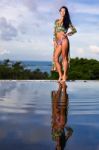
{"x": 59, "y": 27}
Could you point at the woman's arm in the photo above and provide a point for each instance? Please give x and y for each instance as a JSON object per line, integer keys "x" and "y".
{"x": 73, "y": 29}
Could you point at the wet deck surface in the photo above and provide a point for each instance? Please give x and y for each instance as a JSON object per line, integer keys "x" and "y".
{"x": 39, "y": 115}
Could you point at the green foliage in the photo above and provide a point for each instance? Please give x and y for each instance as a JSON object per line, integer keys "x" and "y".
{"x": 54, "y": 75}
{"x": 83, "y": 69}
{"x": 10, "y": 70}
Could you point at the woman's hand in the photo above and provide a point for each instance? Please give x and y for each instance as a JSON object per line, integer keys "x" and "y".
{"x": 69, "y": 33}
{"x": 65, "y": 34}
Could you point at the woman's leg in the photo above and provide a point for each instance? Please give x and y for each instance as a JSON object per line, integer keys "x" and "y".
{"x": 57, "y": 53}
{"x": 65, "y": 50}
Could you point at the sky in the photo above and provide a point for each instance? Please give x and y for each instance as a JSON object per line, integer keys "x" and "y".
{"x": 26, "y": 28}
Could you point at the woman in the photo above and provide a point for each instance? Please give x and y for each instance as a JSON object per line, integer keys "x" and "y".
{"x": 61, "y": 42}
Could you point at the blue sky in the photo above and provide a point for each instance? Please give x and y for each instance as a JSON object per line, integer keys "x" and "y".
{"x": 26, "y": 28}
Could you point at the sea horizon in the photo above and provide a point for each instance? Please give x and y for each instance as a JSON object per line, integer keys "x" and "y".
{"x": 44, "y": 66}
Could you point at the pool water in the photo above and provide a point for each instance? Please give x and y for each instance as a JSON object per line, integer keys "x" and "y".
{"x": 44, "y": 115}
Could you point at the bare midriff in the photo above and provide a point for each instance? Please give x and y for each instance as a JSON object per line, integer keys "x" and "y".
{"x": 59, "y": 35}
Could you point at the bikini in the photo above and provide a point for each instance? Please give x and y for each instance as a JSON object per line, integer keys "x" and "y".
{"x": 57, "y": 28}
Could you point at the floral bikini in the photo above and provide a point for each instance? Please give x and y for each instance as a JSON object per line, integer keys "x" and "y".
{"x": 57, "y": 28}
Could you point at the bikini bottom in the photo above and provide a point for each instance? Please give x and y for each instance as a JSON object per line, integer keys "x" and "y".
{"x": 59, "y": 42}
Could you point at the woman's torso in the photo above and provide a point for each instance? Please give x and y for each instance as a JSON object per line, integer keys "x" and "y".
{"x": 60, "y": 30}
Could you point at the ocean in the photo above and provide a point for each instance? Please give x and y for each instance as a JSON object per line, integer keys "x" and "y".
{"x": 44, "y": 66}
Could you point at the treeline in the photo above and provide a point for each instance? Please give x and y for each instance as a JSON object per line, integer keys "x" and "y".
{"x": 80, "y": 69}
{"x": 11, "y": 70}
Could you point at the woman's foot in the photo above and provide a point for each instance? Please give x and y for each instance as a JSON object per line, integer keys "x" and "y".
{"x": 64, "y": 78}
{"x": 60, "y": 79}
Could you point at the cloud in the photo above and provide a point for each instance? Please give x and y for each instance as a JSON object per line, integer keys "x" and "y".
{"x": 59, "y": 3}
{"x": 8, "y": 31}
{"x": 31, "y": 4}
{"x": 94, "y": 49}
{"x": 80, "y": 51}
{"x": 3, "y": 51}
{"x": 86, "y": 9}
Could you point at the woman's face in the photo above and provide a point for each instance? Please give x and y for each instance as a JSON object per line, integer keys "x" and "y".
{"x": 62, "y": 12}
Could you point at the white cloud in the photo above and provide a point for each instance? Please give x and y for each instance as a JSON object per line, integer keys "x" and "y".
{"x": 87, "y": 9}
{"x": 94, "y": 49}
{"x": 80, "y": 51}
{"x": 13, "y": 13}
{"x": 8, "y": 31}
{"x": 3, "y": 51}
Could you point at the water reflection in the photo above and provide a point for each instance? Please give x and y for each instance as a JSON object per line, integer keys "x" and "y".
{"x": 60, "y": 130}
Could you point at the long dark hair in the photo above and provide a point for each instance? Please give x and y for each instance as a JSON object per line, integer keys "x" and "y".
{"x": 66, "y": 20}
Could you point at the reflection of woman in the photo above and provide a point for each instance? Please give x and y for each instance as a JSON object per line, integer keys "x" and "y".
{"x": 61, "y": 42}
{"x": 60, "y": 131}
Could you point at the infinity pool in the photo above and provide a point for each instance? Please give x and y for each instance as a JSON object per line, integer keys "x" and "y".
{"x": 45, "y": 115}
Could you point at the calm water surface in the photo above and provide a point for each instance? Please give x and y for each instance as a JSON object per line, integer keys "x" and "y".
{"x": 43, "y": 115}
